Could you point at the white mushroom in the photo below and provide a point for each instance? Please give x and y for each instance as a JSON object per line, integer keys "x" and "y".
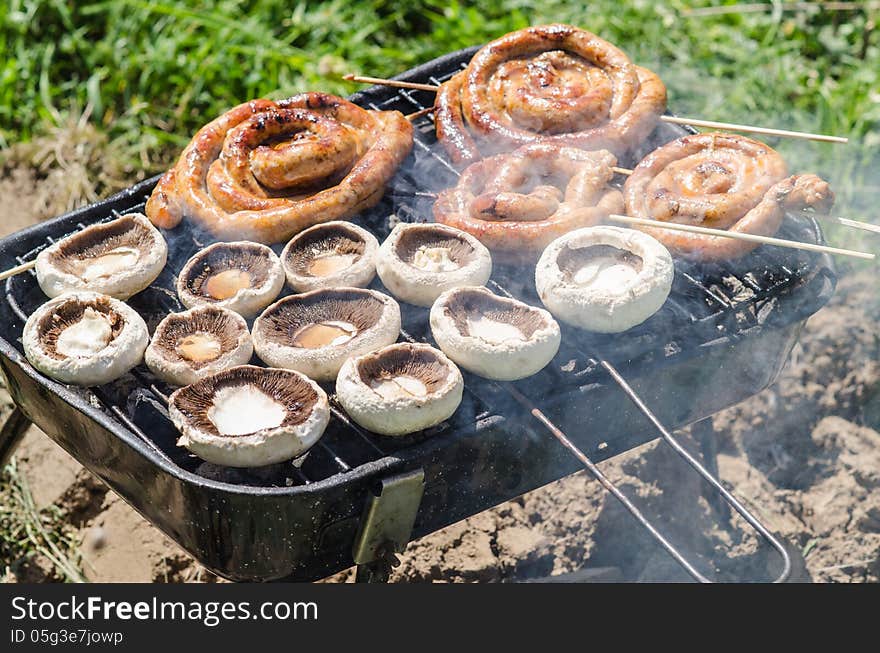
{"x": 315, "y": 332}
{"x": 250, "y": 416}
{"x": 117, "y": 258}
{"x": 417, "y": 262}
{"x": 494, "y": 337}
{"x": 85, "y": 338}
{"x": 604, "y": 279}
{"x": 202, "y": 341}
{"x": 242, "y": 276}
{"x": 400, "y": 389}
{"x": 330, "y": 255}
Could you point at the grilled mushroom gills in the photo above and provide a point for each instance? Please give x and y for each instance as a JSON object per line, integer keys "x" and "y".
{"x": 191, "y": 345}
{"x": 117, "y": 258}
{"x": 494, "y": 337}
{"x": 604, "y": 279}
{"x": 315, "y": 332}
{"x": 241, "y": 276}
{"x": 84, "y": 338}
{"x": 417, "y": 262}
{"x": 330, "y": 255}
{"x": 602, "y": 265}
{"x": 400, "y": 389}
{"x": 250, "y": 416}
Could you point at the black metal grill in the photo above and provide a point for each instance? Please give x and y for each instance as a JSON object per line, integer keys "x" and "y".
{"x": 489, "y": 451}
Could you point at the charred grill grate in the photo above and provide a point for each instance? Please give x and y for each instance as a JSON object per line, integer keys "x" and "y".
{"x": 711, "y": 309}
{"x": 708, "y": 304}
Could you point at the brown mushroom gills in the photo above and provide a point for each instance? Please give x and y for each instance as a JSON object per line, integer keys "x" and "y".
{"x": 599, "y": 266}
{"x": 227, "y": 284}
{"x": 245, "y": 400}
{"x": 433, "y": 249}
{"x": 222, "y": 271}
{"x": 491, "y": 318}
{"x": 200, "y": 347}
{"x": 104, "y": 249}
{"x": 326, "y": 251}
{"x": 198, "y": 338}
{"x": 69, "y": 330}
{"x": 322, "y": 334}
{"x": 329, "y": 317}
{"x": 403, "y": 372}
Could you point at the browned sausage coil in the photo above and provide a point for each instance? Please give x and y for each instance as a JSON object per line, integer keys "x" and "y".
{"x": 516, "y": 203}
{"x": 722, "y": 181}
{"x": 266, "y": 170}
{"x": 555, "y": 82}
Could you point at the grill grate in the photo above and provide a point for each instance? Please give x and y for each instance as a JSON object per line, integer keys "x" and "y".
{"x": 708, "y": 304}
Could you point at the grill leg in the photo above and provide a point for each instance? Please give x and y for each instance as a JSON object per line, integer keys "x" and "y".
{"x": 705, "y": 435}
{"x": 379, "y": 570}
{"x": 11, "y": 434}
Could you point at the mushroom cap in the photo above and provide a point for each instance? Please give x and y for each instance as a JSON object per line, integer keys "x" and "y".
{"x": 355, "y": 246}
{"x": 421, "y": 286}
{"x": 290, "y": 410}
{"x": 266, "y": 277}
{"x": 228, "y": 332}
{"x": 495, "y": 337}
{"x": 374, "y": 316}
{"x": 603, "y": 301}
{"x": 117, "y": 258}
{"x": 404, "y": 412}
{"x": 102, "y": 319}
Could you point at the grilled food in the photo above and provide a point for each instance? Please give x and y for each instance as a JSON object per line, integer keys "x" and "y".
{"x": 191, "y": 345}
{"x": 400, "y": 389}
{"x": 242, "y": 276}
{"x": 516, "y": 203}
{"x": 604, "y": 279}
{"x": 85, "y": 338}
{"x": 495, "y": 337}
{"x": 118, "y": 258}
{"x": 417, "y": 262}
{"x": 721, "y": 181}
{"x": 266, "y": 170}
{"x": 250, "y": 416}
{"x": 317, "y": 331}
{"x": 550, "y": 82}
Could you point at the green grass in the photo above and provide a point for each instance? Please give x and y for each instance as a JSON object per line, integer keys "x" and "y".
{"x": 152, "y": 72}
{"x": 27, "y": 533}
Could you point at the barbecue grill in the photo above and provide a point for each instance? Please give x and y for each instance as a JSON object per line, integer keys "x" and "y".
{"x": 722, "y": 336}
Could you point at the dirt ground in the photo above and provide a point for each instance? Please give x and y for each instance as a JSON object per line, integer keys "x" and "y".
{"x": 804, "y": 455}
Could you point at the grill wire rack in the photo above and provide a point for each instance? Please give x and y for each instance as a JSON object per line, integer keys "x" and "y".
{"x": 732, "y": 299}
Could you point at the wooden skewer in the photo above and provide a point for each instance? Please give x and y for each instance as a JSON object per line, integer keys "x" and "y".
{"x": 866, "y": 226}
{"x": 694, "y": 122}
{"x": 764, "y": 240}
{"x": 18, "y": 269}
{"x": 419, "y": 114}
{"x": 711, "y": 124}
{"x": 622, "y": 171}
{"x": 390, "y": 82}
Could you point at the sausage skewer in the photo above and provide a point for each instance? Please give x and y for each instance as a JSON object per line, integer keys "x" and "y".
{"x": 763, "y": 240}
{"x": 846, "y": 222}
{"x": 694, "y": 122}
